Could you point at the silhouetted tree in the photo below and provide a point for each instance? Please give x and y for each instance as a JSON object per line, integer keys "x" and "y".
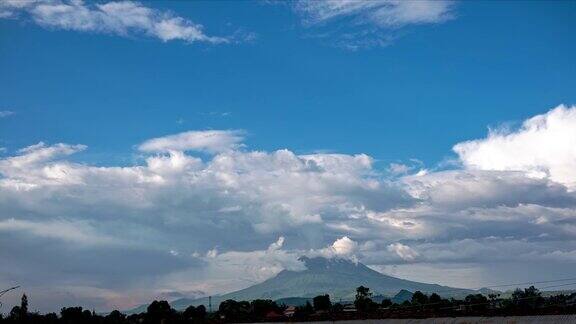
{"x": 363, "y": 292}
{"x": 419, "y": 298}
{"x": 50, "y": 318}
{"x": 200, "y": 312}
{"x": 189, "y": 312}
{"x": 363, "y": 302}
{"x": 322, "y": 303}
{"x": 260, "y": 307}
{"x": 15, "y": 313}
{"x": 435, "y": 302}
{"x": 158, "y": 311}
{"x": 23, "y": 307}
{"x": 434, "y": 299}
{"x": 477, "y": 302}
{"x": 494, "y": 300}
{"x": 234, "y": 311}
{"x": 73, "y": 315}
{"x": 528, "y": 299}
{"x": 386, "y": 303}
{"x": 194, "y": 313}
{"x": 115, "y": 317}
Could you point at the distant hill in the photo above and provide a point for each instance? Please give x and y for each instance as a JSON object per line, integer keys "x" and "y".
{"x": 337, "y": 277}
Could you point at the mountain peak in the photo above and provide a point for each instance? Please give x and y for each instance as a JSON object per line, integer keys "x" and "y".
{"x": 337, "y": 277}
{"x": 332, "y": 264}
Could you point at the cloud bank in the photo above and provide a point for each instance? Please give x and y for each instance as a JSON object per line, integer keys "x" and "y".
{"x": 218, "y": 216}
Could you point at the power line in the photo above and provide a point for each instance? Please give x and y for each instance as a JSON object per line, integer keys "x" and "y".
{"x": 487, "y": 303}
{"x": 401, "y": 307}
{"x": 568, "y": 284}
{"x": 502, "y": 285}
{"x": 5, "y": 291}
{"x": 528, "y": 283}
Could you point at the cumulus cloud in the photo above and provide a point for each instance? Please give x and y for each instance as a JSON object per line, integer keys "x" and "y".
{"x": 403, "y": 251}
{"x": 212, "y": 141}
{"x": 123, "y": 18}
{"x": 472, "y": 214}
{"x": 371, "y": 23}
{"x": 543, "y": 147}
{"x": 344, "y": 246}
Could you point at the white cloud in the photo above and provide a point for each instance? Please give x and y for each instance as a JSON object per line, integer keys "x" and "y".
{"x": 212, "y": 253}
{"x": 387, "y": 13}
{"x": 544, "y": 147}
{"x": 6, "y": 113}
{"x": 474, "y": 188}
{"x": 123, "y": 18}
{"x": 212, "y": 141}
{"x": 344, "y": 246}
{"x": 27, "y": 170}
{"x": 276, "y": 245}
{"x": 370, "y": 23}
{"x": 399, "y": 169}
{"x": 403, "y": 251}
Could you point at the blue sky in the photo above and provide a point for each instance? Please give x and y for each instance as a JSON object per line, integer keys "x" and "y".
{"x": 422, "y": 138}
{"x": 433, "y": 86}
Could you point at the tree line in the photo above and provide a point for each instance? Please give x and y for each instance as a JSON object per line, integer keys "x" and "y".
{"x": 529, "y": 301}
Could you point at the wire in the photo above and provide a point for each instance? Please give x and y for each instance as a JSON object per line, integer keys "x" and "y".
{"x": 568, "y": 284}
{"x": 527, "y": 283}
{"x": 501, "y": 285}
{"x": 487, "y": 303}
{"x": 553, "y": 286}
{"x": 5, "y": 291}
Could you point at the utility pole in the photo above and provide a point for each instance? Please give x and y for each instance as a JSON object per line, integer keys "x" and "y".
{"x": 209, "y": 304}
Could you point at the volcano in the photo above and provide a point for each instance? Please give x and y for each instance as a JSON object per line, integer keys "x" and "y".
{"x": 337, "y": 277}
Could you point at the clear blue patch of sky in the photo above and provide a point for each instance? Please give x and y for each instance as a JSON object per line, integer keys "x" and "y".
{"x": 434, "y": 86}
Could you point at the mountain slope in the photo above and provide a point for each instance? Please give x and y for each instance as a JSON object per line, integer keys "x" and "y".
{"x": 337, "y": 277}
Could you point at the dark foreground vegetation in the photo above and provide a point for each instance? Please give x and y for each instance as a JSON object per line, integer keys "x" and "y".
{"x": 522, "y": 302}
